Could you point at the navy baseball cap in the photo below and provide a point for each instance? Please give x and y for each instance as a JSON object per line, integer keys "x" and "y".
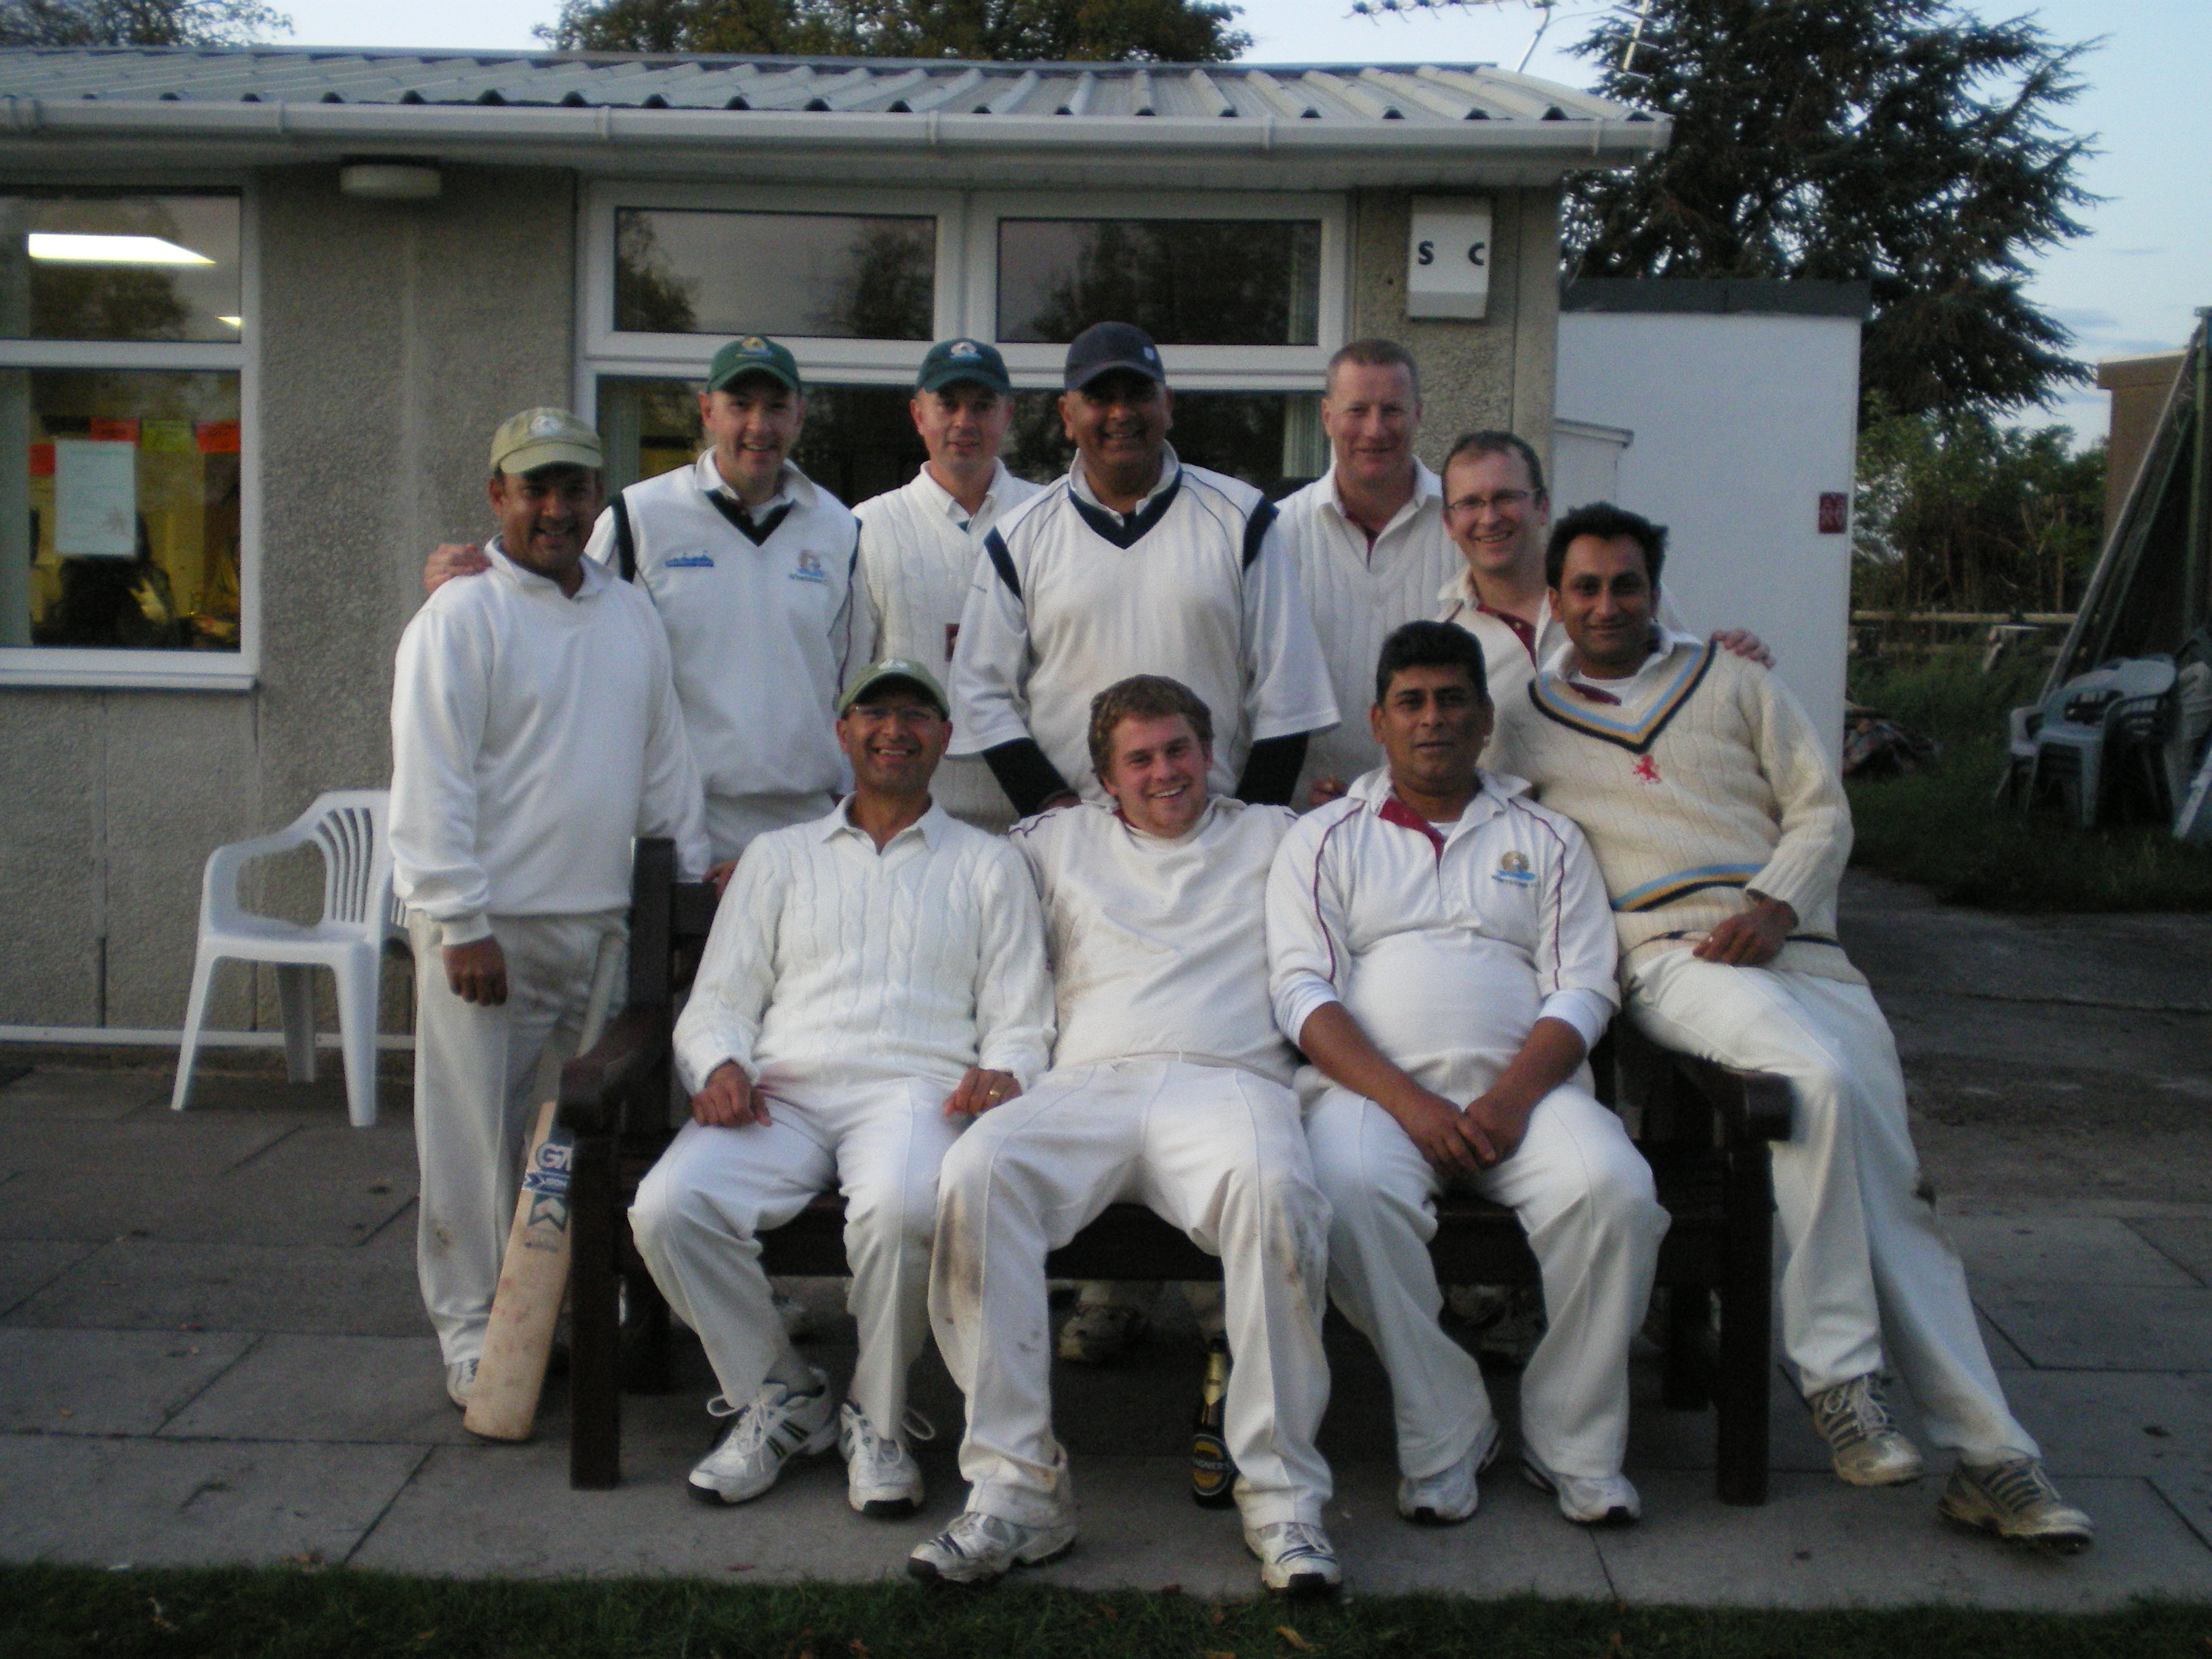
{"x": 951, "y": 361}
{"x": 1103, "y": 347}
{"x": 752, "y": 353}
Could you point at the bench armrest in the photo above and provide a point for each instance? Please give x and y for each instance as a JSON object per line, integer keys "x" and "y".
{"x": 594, "y": 1086}
{"x": 1752, "y": 1106}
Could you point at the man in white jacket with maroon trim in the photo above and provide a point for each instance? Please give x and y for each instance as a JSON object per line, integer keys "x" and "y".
{"x": 1442, "y": 949}
{"x": 535, "y": 730}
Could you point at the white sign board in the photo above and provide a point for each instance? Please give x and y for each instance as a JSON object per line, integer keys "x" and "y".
{"x": 95, "y": 500}
{"x": 1448, "y": 257}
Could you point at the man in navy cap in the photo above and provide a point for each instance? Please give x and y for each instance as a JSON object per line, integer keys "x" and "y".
{"x": 919, "y": 543}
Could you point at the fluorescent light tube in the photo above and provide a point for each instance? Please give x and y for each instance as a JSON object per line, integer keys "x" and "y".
{"x": 88, "y": 250}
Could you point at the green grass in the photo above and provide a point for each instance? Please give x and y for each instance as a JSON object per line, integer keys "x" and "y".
{"x": 337, "y": 1615}
{"x": 1943, "y": 829}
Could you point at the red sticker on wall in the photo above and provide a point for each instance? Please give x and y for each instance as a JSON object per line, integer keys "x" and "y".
{"x": 106, "y": 431}
{"x": 218, "y": 437}
{"x": 42, "y": 460}
{"x": 1835, "y": 512}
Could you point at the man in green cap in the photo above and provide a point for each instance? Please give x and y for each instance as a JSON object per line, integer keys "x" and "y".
{"x": 751, "y": 564}
{"x": 920, "y": 543}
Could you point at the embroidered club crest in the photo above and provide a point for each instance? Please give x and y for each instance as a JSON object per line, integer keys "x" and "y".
{"x": 809, "y": 565}
{"x": 752, "y": 345}
{"x": 545, "y": 424}
{"x": 962, "y": 349}
{"x": 1645, "y": 772}
{"x": 1513, "y": 867}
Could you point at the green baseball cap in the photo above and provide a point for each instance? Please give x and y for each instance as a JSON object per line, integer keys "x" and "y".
{"x": 895, "y": 668}
{"x": 543, "y": 437}
{"x": 752, "y": 353}
{"x": 951, "y": 361}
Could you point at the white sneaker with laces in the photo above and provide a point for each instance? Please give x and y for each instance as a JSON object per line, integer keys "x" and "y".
{"x": 764, "y": 1434}
{"x": 1100, "y": 1333}
{"x": 460, "y": 1381}
{"x": 1588, "y": 1500}
{"x": 1296, "y": 1559}
{"x": 881, "y": 1477}
{"x": 1449, "y": 1497}
{"x": 2016, "y": 1501}
{"x": 978, "y": 1548}
{"x": 1864, "y": 1443}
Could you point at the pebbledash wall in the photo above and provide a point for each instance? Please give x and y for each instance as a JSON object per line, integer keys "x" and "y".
{"x": 378, "y": 342}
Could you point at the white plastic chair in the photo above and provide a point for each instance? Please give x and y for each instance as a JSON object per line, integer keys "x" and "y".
{"x": 347, "y": 826}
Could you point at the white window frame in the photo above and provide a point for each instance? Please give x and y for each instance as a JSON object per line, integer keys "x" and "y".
{"x": 967, "y": 286}
{"x": 167, "y": 670}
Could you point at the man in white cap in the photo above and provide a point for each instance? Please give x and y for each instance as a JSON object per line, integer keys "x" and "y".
{"x": 872, "y": 979}
{"x": 919, "y": 543}
{"x": 535, "y": 732}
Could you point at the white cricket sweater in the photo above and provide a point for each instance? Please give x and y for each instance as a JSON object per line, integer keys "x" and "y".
{"x": 918, "y": 549}
{"x": 830, "y": 963}
{"x": 1159, "y": 948}
{"x": 1447, "y": 945}
{"x": 1358, "y": 596}
{"x": 1070, "y": 598}
{"x": 761, "y": 633}
{"x": 1701, "y": 780}
{"x": 533, "y": 736}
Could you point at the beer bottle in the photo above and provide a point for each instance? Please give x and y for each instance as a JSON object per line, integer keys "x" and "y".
{"x": 1213, "y": 1473}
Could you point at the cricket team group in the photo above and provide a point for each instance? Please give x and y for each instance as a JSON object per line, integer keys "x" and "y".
{"x": 1131, "y": 838}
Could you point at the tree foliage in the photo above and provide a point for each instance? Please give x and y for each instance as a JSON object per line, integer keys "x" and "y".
{"x": 137, "y": 22}
{"x": 1159, "y": 31}
{"x": 1907, "y": 143}
{"x": 1958, "y": 513}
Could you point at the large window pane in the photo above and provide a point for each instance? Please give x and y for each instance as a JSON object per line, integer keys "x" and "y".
{"x": 831, "y": 275}
{"x": 859, "y": 440}
{"x": 1185, "y": 282}
{"x": 1270, "y": 440}
{"x": 120, "y": 509}
{"x": 119, "y": 268}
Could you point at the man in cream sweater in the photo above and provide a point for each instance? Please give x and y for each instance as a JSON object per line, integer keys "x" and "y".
{"x": 872, "y": 979}
{"x": 535, "y": 730}
{"x": 1169, "y": 1086}
{"x": 1723, "y": 831}
{"x": 1440, "y": 949}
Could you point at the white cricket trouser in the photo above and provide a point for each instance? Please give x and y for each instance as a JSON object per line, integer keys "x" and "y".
{"x": 1583, "y": 1194}
{"x": 732, "y": 821}
{"x": 1866, "y": 1249}
{"x": 702, "y": 1209}
{"x": 476, "y": 1099}
{"x": 1213, "y": 1152}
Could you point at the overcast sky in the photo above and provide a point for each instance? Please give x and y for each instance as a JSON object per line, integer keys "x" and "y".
{"x": 2130, "y": 286}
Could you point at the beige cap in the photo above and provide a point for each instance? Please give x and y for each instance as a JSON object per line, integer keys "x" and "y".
{"x": 893, "y": 668}
{"x": 543, "y": 437}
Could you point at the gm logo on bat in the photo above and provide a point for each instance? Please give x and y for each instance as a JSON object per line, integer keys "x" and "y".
{"x": 547, "y": 1180}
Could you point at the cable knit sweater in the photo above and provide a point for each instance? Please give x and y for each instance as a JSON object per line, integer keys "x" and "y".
{"x": 1696, "y": 779}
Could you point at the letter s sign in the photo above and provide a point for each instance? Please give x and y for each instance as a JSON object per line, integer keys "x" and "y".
{"x": 1426, "y": 254}
{"x": 1438, "y": 284}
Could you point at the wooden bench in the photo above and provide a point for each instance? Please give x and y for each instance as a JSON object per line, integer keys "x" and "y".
{"x": 1704, "y": 1128}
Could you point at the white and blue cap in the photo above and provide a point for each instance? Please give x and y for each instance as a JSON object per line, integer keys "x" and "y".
{"x": 1104, "y": 347}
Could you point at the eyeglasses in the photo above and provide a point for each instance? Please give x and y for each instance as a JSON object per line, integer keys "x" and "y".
{"x": 1505, "y": 500}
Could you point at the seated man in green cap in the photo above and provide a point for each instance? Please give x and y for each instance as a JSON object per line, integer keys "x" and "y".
{"x": 873, "y": 979}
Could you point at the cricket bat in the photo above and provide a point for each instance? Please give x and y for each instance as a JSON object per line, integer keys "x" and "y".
{"x": 533, "y": 1276}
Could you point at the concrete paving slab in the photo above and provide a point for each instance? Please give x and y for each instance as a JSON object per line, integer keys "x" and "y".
{"x": 2146, "y": 1423}
{"x": 136, "y": 1284}
{"x": 2123, "y": 1328}
{"x": 2191, "y": 1495}
{"x": 2185, "y": 1240}
{"x": 27, "y": 1266}
{"x": 143, "y": 1147}
{"x": 323, "y": 1101}
{"x": 88, "y": 1095}
{"x": 2018, "y": 1250}
{"x": 154, "y": 1503}
{"x": 1820, "y": 1543}
{"x": 381, "y": 1390}
{"x": 2002, "y": 1354}
{"x": 99, "y": 1382}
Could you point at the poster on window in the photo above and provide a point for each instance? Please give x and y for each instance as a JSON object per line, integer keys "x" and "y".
{"x": 96, "y": 499}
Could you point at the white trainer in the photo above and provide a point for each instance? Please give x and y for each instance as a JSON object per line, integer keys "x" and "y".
{"x": 1449, "y": 1497}
{"x": 461, "y": 1381}
{"x": 764, "y": 1434}
{"x": 978, "y": 1548}
{"x": 1296, "y": 1559}
{"x": 1588, "y": 1500}
{"x": 1100, "y": 1333}
{"x": 1864, "y": 1443}
{"x": 881, "y": 1477}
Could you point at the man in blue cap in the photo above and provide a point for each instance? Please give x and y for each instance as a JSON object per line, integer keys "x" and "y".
{"x": 919, "y": 543}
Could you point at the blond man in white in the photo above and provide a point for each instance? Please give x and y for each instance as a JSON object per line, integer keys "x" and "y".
{"x": 919, "y": 543}
{"x": 1442, "y": 949}
{"x": 872, "y": 979}
{"x": 535, "y": 730}
{"x": 1169, "y": 1087}
{"x": 1722, "y": 830}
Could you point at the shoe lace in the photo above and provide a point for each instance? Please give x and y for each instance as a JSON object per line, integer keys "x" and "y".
{"x": 2018, "y": 1487}
{"x": 1852, "y": 1413}
{"x": 974, "y": 1533}
{"x": 1293, "y": 1541}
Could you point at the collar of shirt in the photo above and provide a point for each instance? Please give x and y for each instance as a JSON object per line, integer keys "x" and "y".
{"x": 1665, "y": 643}
{"x": 1427, "y": 487}
{"x": 949, "y": 504}
{"x": 1492, "y": 790}
{"x": 1214, "y": 809}
{"x": 596, "y": 576}
{"x": 931, "y": 827}
{"x": 792, "y": 486}
{"x": 1170, "y": 469}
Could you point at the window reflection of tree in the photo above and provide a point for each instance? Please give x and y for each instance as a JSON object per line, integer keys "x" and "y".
{"x": 1182, "y": 281}
{"x": 70, "y": 302}
{"x": 859, "y": 441}
{"x": 887, "y": 289}
{"x": 650, "y": 298}
{"x": 1239, "y": 433}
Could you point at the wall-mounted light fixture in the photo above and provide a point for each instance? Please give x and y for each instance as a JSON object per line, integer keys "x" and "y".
{"x": 390, "y": 178}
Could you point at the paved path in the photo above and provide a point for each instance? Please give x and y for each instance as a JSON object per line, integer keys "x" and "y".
{"x": 210, "y": 1347}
